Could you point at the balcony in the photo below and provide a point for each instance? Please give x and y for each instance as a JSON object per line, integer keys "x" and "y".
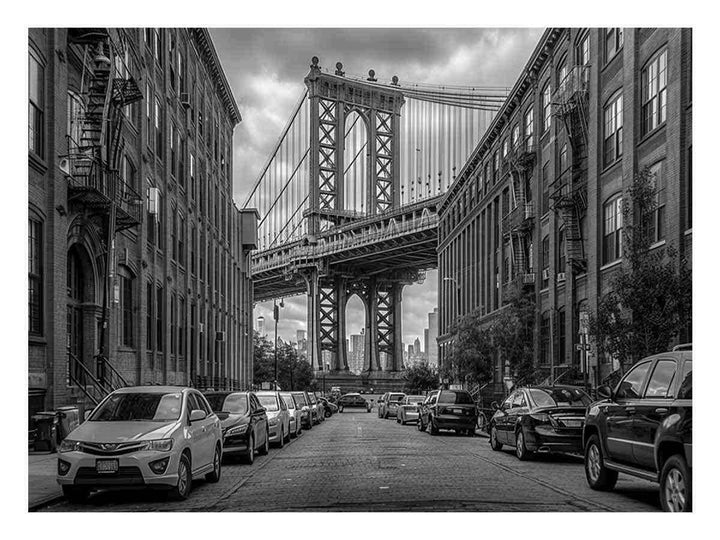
{"x": 523, "y": 154}
{"x": 566, "y": 191}
{"x": 92, "y": 189}
{"x": 572, "y": 87}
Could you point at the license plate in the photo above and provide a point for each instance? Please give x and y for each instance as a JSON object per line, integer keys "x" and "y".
{"x": 573, "y": 423}
{"x": 106, "y": 466}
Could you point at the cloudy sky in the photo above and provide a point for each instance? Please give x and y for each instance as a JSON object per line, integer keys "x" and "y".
{"x": 266, "y": 67}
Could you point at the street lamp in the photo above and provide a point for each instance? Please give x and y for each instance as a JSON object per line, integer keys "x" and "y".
{"x": 327, "y": 368}
{"x": 276, "y": 316}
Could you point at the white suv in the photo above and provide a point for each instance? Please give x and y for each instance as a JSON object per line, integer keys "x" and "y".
{"x": 151, "y": 436}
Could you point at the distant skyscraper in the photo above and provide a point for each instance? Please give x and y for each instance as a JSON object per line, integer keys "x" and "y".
{"x": 356, "y": 356}
{"x": 261, "y": 326}
{"x": 432, "y": 333}
{"x": 416, "y": 347}
{"x": 301, "y": 343}
{"x": 410, "y": 351}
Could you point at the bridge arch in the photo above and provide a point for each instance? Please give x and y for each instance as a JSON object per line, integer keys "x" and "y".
{"x": 356, "y": 325}
{"x": 356, "y": 154}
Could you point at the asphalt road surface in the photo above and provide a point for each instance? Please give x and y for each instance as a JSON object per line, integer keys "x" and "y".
{"x": 356, "y": 461}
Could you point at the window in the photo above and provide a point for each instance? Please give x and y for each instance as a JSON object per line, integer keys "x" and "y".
{"x": 516, "y": 135}
{"x": 562, "y": 76}
{"x": 563, "y": 159}
{"x": 159, "y": 325}
{"x": 655, "y": 221}
{"x": 630, "y": 386}
{"x": 173, "y": 235}
{"x": 560, "y": 354}
{"x": 654, "y": 93}
{"x": 173, "y": 153}
{"x": 151, "y": 218}
{"x": 505, "y": 148}
{"x": 561, "y": 251}
{"x": 496, "y": 165}
{"x": 545, "y": 188}
{"x": 181, "y": 328}
{"x": 157, "y": 45}
{"x": 193, "y": 248}
{"x": 148, "y": 117}
{"x": 35, "y": 277}
{"x": 181, "y": 240}
{"x": 545, "y": 262}
{"x": 192, "y": 175}
{"x": 612, "y": 230}
{"x": 76, "y": 108}
{"x": 36, "y": 105}
{"x": 613, "y": 42}
{"x": 661, "y": 380}
{"x": 173, "y": 323}
{"x": 613, "y": 129}
{"x": 529, "y": 124}
{"x": 546, "y": 107}
{"x": 126, "y": 307}
{"x": 685, "y": 390}
{"x": 149, "y": 316}
{"x": 128, "y": 173}
{"x": 486, "y": 178}
{"x": 158, "y": 129}
{"x": 545, "y": 338}
{"x": 583, "y": 51}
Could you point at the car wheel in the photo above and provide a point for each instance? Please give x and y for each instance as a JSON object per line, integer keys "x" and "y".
{"x": 402, "y": 422}
{"x": 288, "y": 435}
{"x": 598, "y": 476}
{"x": 265, "y": 448}
{"x": 481, "y": 422}
{"x": 75, "y": 494}
{"x": 676, "y": 485}
{"x": 433, "y": 427}
{"x": 182, "y": 489}
{"x": 214, "y": 476}
{"x": 249, "y": 457}
{"x": 310, "y": 425}
{"x": 328, "y": 413}
{"x": 521, "y": 451}
{"x": 494, "y": 443}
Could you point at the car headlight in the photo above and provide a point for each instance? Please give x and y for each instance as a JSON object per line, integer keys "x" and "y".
{"x": 158, "y": 445}
{"x": 237, "y": 430}
{"x": 69, "y": 446}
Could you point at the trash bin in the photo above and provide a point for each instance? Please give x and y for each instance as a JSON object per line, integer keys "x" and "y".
{"x": 69, "y": 419}
{"x": 46, "y": 431}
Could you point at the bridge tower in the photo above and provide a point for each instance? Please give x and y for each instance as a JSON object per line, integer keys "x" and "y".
{"x": 332, "y": 99}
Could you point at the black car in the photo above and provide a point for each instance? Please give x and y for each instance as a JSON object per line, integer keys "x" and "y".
{"x": 540, "y": 419}
{"x": 448, "y": 409}
{"x": 644, "y": 428}
{"x": 352, "y": 401}
{"x": 244, "y": 423}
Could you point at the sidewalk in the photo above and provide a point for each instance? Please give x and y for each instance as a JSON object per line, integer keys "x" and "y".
{"x": 42, "y": 487}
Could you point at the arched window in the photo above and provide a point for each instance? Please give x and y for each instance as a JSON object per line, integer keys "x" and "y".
{"x": 654, "y": 92}
{"x": 655, "y": 221}
{"x": 612, "y": 230}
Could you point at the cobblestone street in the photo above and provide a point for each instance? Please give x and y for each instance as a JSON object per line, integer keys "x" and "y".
{"x": 357, "y": 462}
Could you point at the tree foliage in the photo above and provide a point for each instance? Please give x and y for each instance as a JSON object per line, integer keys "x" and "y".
{"x": 294, "y": 373}
{"x": 650, "y": 298}
{"x": 421, "y": 377}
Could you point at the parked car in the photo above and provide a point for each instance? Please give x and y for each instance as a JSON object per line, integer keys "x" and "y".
{"x": 643, "y": 427}
{"x": 319, "y": 405}
{"x": 540, "y": 419}
{"x": 315, "y": 409}
{"x": 390, "y": 403}
{"x": 329, "y": 407}
{"x": 448, "y": 409}
{"x": 244, "y": 424}
{"x": 294, "y": 412}
{"x": 303, "y": 402}
{"x": 409, "y": 409}
{"x": 278, "y": 417}
{"x": 152, "y": 436}
{"x": 353, "y": 401}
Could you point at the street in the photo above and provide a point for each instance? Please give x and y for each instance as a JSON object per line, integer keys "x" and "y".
{"x": 356, "y": 461}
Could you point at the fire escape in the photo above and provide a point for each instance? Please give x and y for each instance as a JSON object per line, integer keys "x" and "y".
{"x": 95, "y": 186}
{"x": 517, "y": 224}
{"x": 569, "y": 191}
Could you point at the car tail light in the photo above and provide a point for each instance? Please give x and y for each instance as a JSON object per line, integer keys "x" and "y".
{"x": 544, "y": 418}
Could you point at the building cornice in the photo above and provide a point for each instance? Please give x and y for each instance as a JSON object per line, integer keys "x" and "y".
{"x": 207, "y": 51}
{"x": 527, "y": 80}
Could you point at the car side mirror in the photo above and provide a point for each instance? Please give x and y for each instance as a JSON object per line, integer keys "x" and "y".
{"x": 495, "y": 405}
{"x": 197, "y": 414}
{"x": 604, "y": 392}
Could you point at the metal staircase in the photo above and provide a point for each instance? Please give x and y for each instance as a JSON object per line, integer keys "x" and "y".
{"x": 569, "y": 191}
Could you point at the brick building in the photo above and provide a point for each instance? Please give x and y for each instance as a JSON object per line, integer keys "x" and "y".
{"x": 132, "y": 226}
{"x": 538, "y": 203}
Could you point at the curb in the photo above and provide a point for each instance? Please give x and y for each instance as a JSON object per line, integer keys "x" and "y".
{"x": 43, "y": 503}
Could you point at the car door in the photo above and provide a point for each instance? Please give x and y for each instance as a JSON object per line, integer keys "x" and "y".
{"x": 284, "y": 414}
{"x": 197, "y": 434}
{"x": 518, "y": 409}
{"x": 211, "y": 423}
{"x": 502, "y": 419}
{"x": 620, "y": 414}
{"x": 259, "y": 420}
{"x": 654, "y": 408}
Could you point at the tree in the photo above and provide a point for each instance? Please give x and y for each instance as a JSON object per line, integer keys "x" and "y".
{"x": 263, "y": 360}
{"x": 420, "y": 377}
{"x": 650, "y": 301}
{"x": 294, "y": 373}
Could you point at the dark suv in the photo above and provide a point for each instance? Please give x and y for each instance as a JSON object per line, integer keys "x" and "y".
{"x": 448, "y": 409}
{"x": 644, "y": 428}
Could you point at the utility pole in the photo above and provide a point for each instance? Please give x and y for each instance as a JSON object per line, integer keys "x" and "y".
{"x": 276, "y": 316}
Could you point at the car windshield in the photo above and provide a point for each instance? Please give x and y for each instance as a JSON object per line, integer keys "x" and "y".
{"x": 455, "y": 398}
{"x": 289, "y": 402}
{"x": 300, "y": 398}
{"x": 396, "y": 397}
{"x": 143, "y": 407}
{"x": 553, "y": 397}
{"x": 269, "y": 402}
{"x": 414, "y": 399}
{"x": 229, "y": 403}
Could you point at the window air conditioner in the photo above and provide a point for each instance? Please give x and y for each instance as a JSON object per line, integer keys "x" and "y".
{"x": 560, "y": 277}
{"x": 185, "y": 100}
{"x": 546, "y": 274}
{"x": 154, "y": 201}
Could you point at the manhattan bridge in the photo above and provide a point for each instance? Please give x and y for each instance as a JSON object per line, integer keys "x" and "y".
{"x": 348, "y": 202}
